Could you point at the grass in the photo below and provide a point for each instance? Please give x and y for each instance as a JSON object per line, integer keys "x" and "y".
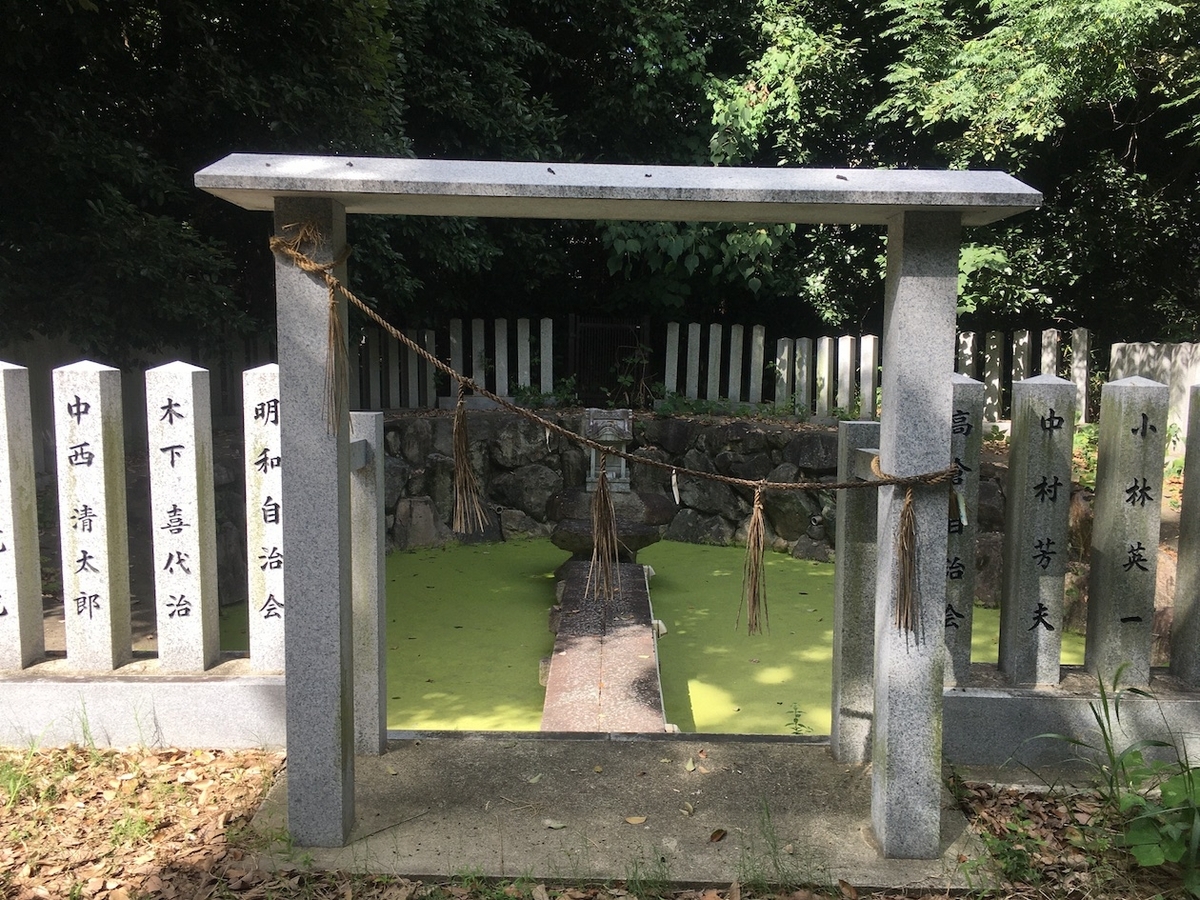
{"x": 468, "y": 624}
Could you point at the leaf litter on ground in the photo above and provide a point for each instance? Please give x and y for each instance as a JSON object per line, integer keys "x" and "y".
{"x": 166, "y": 823}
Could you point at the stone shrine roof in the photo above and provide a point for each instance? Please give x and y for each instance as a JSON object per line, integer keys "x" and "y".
{"x": 442, "y": 187}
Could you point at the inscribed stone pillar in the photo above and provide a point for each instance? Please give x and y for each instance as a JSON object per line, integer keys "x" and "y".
{"x": 369, "y": 587}
{"x": 966, "y": 441}
{"x": 1129, "y": 473}
{"x": 316, "y": 540}
{"x": 500, "y": 341}
{"x": 1185, "y": 626}
{"x": 179, "y": 430}
{"x": 918, "y": 344}
{"x": 22, "y": 636}
{"x": 1036, "y": 511}
{"x": 264, "y": 517}
{"x": 93, "y": 529}
{"x": 854, "y": 602}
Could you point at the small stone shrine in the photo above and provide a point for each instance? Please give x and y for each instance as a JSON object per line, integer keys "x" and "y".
{"x": 641, "y": 518}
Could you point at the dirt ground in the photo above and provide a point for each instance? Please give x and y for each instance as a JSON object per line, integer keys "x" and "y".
{"x": 80, "y": 822}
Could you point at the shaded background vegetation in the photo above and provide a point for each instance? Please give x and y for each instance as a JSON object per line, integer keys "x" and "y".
{"x": 113, "y": 106}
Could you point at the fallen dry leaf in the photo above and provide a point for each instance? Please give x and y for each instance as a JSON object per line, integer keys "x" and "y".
{"x": 718, "y": 835}
{"x": 635, "y": 820}
{"x": 849, "y": 891}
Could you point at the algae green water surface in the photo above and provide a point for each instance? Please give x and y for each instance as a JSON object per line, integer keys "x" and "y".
{"x": 468, "y": 624}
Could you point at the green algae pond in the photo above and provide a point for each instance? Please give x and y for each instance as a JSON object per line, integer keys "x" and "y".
{"x": 467, "y": 625}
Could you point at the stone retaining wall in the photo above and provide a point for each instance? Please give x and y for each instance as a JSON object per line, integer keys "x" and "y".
{"x": 521, "y": 469}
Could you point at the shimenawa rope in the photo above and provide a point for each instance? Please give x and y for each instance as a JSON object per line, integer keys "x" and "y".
{"x": 603, "y": 574}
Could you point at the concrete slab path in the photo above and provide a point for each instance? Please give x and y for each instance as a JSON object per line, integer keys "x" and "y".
{"x": 587, "y": 808}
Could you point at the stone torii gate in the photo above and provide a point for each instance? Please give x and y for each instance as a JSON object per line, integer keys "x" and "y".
{"x": 924, "y": 212}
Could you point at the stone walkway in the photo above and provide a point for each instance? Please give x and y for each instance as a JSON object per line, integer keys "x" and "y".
{"x": 604, "y": 671}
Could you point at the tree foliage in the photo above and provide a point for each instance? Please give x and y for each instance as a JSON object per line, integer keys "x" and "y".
{"x": 113, "y": 106}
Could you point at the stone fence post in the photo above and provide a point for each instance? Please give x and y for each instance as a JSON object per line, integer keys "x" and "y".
{"x": 1037, "y": 504}
{"x": 1129, "y": 477}
{"x": 22, "y": 634}
{"x": 179, "y": 430}
{"x": 966, "y": 443}
{"x": 93, "y": 529}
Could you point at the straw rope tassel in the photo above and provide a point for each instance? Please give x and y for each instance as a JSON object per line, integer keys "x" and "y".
{"x": 754, "y": 595}
{"x": 604, "y": 573}
{"x": 907, "y": 604}
{"x": 469, "y": 516}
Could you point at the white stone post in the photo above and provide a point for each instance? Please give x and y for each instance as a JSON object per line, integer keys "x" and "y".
{"x": 412, "y": 374}
{"x": 1051, "y": 350}
{"x": 1185, "y": 626}
{"x": 1037, "y": 504}
{"x": 369, "y": 583}
{"x": 456, "y": 350}
{"x": 478, "y": 353}
{"x": 693, "y": 361}
{"x": 546, "y": 355}
{"x": 501, "y": 345}
{"x": 183, "y": 513}
{"x": 868, "y": 373}
{"x": 1022, "y": 361}
{"x": 264, "y": 517}
{"x": 1129, "y": 477}
{"x": 919, "y": 305}
{"x": 523, "y": 378}
{"x": 316, "y": 543}
{"x": 846, "y": 382}
{"x": 93, "y": 529}
{"x": 429, "y": 342}
{"x": 968, "y": 354}
{"x": 993, "y": 378}
{"x": 713, "y": 388}
{"x": 854, "y": 601}
{"x": 736, "y": 339}
{"x": 671, "y": 360}
{"x": 374, "y": 371}
{"x": 758, "y": 350}
{"x": 966, "y": 443}
{"x": 1080, "y": 361}
{"x": 394, "y": 352}
{"x": 783, "y": 373}
{"x": 22, "y": 635}
{"x": 804, "y": 376}
{"x": 825, "y": 376}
